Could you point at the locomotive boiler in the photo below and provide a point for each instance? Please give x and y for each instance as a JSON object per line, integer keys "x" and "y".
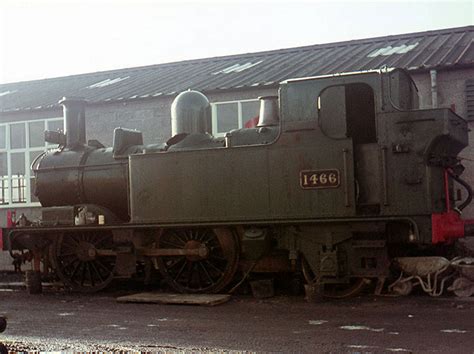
{"x": 342, "y": 176}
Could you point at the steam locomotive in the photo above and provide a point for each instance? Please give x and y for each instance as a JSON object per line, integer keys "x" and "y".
{"x": 342, "y": 175}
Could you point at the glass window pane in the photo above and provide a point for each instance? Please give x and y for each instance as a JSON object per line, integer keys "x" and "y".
{"x": 3, "y": 140}
{"x": 18, "y": 190}
{"x": 250, "y": 110}
{"x": 227, "y": 117}
{"x": 4, "y": 197}
{"x": 33, "y": 197}
{"x": 18, "y": 163}
{"x": 3, "y": 164}
{"x": 36, "y": 133}
{"x": 17, "y": 136}
{"x": 55, "y": 125}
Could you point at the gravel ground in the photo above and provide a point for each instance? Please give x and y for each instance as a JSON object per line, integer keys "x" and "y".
{"x": 61, "y": 321}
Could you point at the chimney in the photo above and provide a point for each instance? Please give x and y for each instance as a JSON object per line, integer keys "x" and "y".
{"x": 74, "y": 121}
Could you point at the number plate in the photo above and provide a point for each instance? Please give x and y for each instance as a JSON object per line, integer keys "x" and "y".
{"x": 315, "y": 179}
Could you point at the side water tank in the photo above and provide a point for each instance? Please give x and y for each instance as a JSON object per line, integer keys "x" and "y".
{"x": 190, "y": 113}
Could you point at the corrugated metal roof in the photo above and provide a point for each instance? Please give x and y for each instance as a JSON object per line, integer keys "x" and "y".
{"x": 415, "y": 51}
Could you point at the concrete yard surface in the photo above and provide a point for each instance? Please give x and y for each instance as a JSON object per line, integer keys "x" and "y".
{"x": 57, "y": 320}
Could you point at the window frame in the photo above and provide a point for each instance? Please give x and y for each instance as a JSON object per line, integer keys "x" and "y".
{"x": 27, "y": 150}
{"x": 239, "y": 114}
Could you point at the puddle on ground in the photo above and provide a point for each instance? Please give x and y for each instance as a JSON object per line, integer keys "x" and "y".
{"x": 454, "y": 330}
{"x": 361, "y": 328}
{"x": 397, "y": 350}
{"x": 359, "y": 346}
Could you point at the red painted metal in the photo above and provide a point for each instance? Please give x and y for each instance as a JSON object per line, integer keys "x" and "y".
{"x": 447, "y": 227}
{"x": 11, "y": 218}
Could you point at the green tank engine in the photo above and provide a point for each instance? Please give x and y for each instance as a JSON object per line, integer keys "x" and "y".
{"x": 342, "y": 174}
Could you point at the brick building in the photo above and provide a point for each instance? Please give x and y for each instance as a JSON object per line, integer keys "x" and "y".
{"x": 441, "y": 63}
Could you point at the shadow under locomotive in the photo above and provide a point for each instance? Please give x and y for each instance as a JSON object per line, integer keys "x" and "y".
{"x": 342, "y": 175}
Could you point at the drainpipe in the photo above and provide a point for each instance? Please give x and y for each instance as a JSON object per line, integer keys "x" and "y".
{"x": 434, "y": 89}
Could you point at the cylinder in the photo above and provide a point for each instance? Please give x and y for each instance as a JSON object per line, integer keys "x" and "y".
{"x": 268, "y": 111}
{"x": 75, "y": 121}
{"x": 190, "y": 113}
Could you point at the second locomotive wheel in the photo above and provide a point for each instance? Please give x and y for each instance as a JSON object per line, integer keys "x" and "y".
{"x": 77, "y": 261}
{"x": 206, "y": 273}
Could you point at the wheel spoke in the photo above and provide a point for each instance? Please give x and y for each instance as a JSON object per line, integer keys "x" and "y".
{"x": 211, "y": 265}
{"x": 198, "y": 274}
{"x": 76, "y": 268}
{"x": 204, "y": 270}
{"x": 67, "y": 254}
{"x": 177, "y": 237}
{"x": 96, "y": 271}
{"x": 70, "y": 262}
{"x": 176, "y": 262}
{"x": 89, "y": 273}
{"x": 99, "y": 262}
{"x": 70, "y": 242}
{"x": 207, "y": 237}
{"x": 180, "y": 271}
{"x": 172, "y": 244}
{"x": 190, "y": 273}
{"x": 185, "y": 236}
{"x": 218, "y": 258}
{"x": 83, "y": 274}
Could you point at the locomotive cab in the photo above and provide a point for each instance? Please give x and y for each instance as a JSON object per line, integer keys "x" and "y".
{"x": 395, "y": 152}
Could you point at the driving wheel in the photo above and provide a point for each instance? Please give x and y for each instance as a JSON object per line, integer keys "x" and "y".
{"x": 77, "y": 261}
{"x": 208, "y": 272}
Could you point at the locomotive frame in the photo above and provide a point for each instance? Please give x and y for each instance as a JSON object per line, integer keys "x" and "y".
{"x": 342, "y": 174}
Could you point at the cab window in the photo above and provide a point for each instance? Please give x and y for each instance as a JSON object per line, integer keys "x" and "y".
{"x": 348, "y": 111}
